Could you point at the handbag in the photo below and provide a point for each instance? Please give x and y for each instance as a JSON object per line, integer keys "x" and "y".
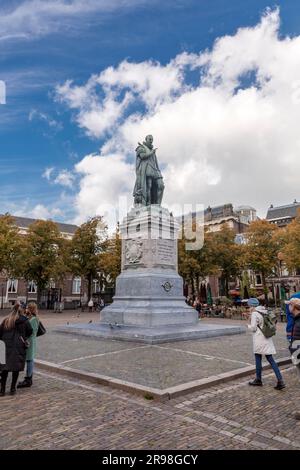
{"x": 41, "y": 329}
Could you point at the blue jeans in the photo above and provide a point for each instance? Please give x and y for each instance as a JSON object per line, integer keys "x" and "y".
{"x": 29, "y": 365}
{"x": 270, "y": 359}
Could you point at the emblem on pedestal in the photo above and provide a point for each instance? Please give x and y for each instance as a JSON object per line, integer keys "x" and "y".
{"x": 167, "y": 286}
{"x": 133, "y": 251}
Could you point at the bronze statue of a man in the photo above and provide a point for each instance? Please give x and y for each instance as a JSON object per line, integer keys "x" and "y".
{"x": 149, "y": 185}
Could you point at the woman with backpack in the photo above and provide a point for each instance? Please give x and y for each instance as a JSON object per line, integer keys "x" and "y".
{"x": 32, "y": 315}
{"x": 262, "y": 342}
{"x": 14, "y": 332}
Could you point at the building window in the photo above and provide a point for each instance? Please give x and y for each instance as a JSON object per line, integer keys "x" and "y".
{"x": 12, "y": 286}
{"x": 257, "y": 279}
{"x": 51, "y": 284}
{"x": 32, "y": 287}
{"x": 96, "y": 286}
{"x": 76, "y": 285}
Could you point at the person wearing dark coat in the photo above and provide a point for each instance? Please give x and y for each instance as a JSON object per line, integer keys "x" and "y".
{"x": 294, "y": 308}
{"x": 14, "y": 332}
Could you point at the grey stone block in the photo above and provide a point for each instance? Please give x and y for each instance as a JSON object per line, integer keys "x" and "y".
{"x": 153, "y": 335}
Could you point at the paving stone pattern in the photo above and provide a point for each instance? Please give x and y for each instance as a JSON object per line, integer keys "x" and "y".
{"x": 158, "y": 366}
{"x": 58, "y": 413}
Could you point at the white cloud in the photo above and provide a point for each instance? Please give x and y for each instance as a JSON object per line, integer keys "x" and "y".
{"x": 39, "y": 211}
{"x": 103, "y": 100}
{"x": 52, "y": 123}
{"x": 65, "y": 178}
{"x": 103, "y": 179}
{"x": 48, "y": 172}
{"x": 42, "y": 212}
{"x": 33, "y": 18}
{"x": 231, "y": 137}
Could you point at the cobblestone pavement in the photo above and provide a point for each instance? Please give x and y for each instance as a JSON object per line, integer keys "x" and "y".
{"x": 64, "y": 413}
{"x": 59, "y": 413}
{"x": 158, "y": 366}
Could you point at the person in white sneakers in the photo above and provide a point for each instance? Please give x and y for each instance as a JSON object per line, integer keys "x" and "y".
{"x": 91, "y": 305}
{"x": 263, "y": 329}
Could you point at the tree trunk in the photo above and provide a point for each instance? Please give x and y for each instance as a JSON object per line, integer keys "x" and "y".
{"x": 226, "y": 285}
{"x": 197, "y": 285}
{"x": 90, "y": 287}
{"x": 4, "y": 283}
{"x": 193, "y": 287}
{"x": 263, "y": 277}
{"x": 38, "y": 296}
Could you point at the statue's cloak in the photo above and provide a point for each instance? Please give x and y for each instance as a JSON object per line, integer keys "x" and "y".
{"x": 146, "y": 165}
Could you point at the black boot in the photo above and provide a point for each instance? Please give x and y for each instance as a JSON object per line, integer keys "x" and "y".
{"x": 4, "y": 375}
{"x": 280, "y": 385}
{"x": 27, "y": 382}
{"x": 256, "y": 382}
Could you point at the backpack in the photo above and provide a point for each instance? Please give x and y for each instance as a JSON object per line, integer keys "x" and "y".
{"x": 269, "y": 325}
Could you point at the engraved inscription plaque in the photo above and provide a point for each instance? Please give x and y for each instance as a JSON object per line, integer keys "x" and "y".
{"x": 166, "y": 252}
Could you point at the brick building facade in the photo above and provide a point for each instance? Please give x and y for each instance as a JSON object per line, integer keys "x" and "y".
{"x": 72, "y": 291}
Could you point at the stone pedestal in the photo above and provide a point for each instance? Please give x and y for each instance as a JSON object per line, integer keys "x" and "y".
{"x": 149, "y": 291}
{"x": 149, "y": 305}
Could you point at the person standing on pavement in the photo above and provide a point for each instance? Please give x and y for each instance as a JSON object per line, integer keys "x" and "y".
{"x": 32, "y": 315}
{"x": 290, "y": 317}
{"x": 294, "y": 309}
{"x": 262, "y": 346}
{"x": 14, "y": 332}
{"x": 91, "y": 305}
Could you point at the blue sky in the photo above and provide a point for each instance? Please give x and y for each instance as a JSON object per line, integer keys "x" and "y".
{"x": 43, "y": 48}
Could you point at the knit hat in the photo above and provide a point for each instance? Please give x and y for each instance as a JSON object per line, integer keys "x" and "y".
{"x": 253, "y": 302}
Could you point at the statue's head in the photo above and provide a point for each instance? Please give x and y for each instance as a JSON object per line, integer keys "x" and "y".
{"x": 149, "y": 140}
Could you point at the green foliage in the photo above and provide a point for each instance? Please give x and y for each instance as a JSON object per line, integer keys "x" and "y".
{"x": 110, "y": 260}
{"x": 262, "y": 247}
{"x": 196, "y": 264}
{"x": 226, "y": 254}
{"x": 219, "y": 254}
{"x": 89, "y": 242}
{"x": 10, "y": 246}
{"x": 289, "y": 240}
{"x": 261, "y": 250}
{"x": 42, "y": 254}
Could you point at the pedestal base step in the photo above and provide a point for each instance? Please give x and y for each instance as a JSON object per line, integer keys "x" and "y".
{"x": 151, "y": 335}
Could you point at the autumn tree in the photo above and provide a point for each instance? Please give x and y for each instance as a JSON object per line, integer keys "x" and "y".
{"x": 289, "y": 240}
{"x": 110, "y": 260}
{"x": 195, "y": 265}
{"x": 226, "y": 254}
{"x": 84, "y": 254}
{"x": 10, "y": 247}
{"x": 261, "y": 249}
{"x": 43, "y": 254}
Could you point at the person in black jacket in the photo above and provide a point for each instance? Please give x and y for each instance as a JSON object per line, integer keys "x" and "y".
{"x": 14, "y": 332}
{"x": 294, "y": 308}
